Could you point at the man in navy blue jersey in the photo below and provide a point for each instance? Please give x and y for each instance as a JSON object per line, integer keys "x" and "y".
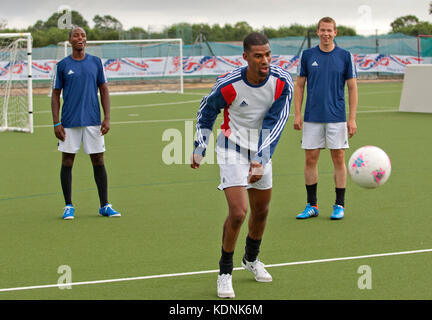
{"x": 325, "y": 68}
{"x": 80, "y": 76}
{"x": 255, "y": 100}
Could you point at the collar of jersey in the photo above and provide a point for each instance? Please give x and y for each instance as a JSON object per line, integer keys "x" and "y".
{"x": 85, "y": 58}
{"x": 243, "y": 75}
{"x": 326, "y": 52}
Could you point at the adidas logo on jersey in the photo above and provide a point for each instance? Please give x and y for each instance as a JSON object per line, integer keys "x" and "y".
{"x": 315, "y": 64}
{"x": 70, "y": 71}
{"x": 243, "y": 104}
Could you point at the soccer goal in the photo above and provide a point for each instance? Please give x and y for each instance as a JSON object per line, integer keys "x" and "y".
{"x": 424, "y": 47}
{"x": 416, "y": 93}
{"x": 137, "y": 66}
{"x": 16, "y": 101}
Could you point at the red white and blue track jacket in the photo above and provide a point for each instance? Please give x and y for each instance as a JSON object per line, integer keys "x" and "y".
{"x": 253, "y": 115}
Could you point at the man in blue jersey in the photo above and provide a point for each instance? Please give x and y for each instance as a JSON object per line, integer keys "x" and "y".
{"x": 325, "y": 68}
{"x": 80, "y": 75}
{"x": 255, "y": 101}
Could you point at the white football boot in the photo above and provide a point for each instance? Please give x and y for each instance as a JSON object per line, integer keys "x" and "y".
{"x": 257, "y": 268}
{"x": 224, "y": 286}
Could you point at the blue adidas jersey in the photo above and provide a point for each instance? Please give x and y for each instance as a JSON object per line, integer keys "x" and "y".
{"x": 253, "y": 115}
{"x": 79, "y": 80}
{"x": 326, "y": 74}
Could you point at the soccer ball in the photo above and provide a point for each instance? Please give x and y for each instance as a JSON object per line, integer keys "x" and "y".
{"x": 369, "y": 167}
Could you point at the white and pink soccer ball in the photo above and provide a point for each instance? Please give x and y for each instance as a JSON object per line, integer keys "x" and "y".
{"x": 369, "y": 167}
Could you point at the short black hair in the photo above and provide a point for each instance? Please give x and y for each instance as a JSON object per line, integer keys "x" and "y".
{"x": 74, "y": 27}
{"x": 254, "y": 39}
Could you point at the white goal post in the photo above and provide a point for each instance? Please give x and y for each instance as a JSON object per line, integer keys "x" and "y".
{"x": 137, "y": 66}
{"x": 16, "y": 98}
{"x": 416, "y": 89}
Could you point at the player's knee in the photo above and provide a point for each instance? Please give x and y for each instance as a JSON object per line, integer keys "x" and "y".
{"x": 97, "y": 159}
{"x": 68, "y": 159}
{"x": 237, "y": 215}
{"x": 311, "y": 161}
{"x": 338, "y": 158}
{"x": 260, "y": 213}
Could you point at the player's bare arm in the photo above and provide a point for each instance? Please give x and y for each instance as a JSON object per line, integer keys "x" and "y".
{"x": 55, "y": 109}
{"x": 353, "y": 101}
{"x": 106, "y": 106}
{"x": 298, "y": 101}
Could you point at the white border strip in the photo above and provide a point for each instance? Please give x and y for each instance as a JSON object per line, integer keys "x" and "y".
{"x": 171, "y": 275}
{"x": 164, "y": 104}
{"x": 130, "y": 122}
{"x": 194, "y": 119}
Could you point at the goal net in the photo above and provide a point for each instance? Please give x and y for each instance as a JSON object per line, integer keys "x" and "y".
{"x": 16, "y": 106}
{"x": 424, "y": 48}
{"x": 137, "y": 66}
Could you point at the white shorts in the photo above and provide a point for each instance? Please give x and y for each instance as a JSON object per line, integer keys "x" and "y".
{"x": 92, "y": 139}
{"x": 316, "y": 135}
{"x": 234, "y": 170}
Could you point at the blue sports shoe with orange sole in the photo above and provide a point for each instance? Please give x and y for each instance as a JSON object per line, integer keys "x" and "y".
{"x": 308, "y": 212}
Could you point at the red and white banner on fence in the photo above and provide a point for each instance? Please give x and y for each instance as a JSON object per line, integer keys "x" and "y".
{"x": 200, "y": 66}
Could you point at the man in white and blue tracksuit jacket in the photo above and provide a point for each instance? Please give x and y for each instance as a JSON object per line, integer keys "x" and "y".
{"x": 255, "y": 100}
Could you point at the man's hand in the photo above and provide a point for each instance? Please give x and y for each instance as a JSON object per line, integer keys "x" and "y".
{"x": 352, "y": 127}
{"x": 256, "y": 171}
{"x": 59, "y": 132}
{"x": 196, "y": 160}
{"x": 298, "y": 122}
{"x": 105, "y": 126}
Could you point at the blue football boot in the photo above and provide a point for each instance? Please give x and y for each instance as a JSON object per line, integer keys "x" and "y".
{"x": 108, "y": 211}
{"x": 69, "y": 212}
{"x": 338, "y": 212}
{"x": 308, "y": 212}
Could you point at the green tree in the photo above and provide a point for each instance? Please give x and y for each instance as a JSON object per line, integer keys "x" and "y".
{"x": 52, "y": 21}
{"x": 217, "y": 33}
{"x": 241, "y": 30}
{"x": 50, "y": 36}
{"x": 202, "y": 29}
{"x": 411, "y": 25}
{"x": 136, "y": 33}
{"x": 403, "y": 22}
{"x": 346, "y": 31}
{"x": 107, "y": 22}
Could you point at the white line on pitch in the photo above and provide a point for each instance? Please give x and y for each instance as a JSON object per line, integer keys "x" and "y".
{"x": 141, "y": 105}
{"x": 193, "y": 119}
{"x": 172, "y": 275}
{"x": 129, "y": 122}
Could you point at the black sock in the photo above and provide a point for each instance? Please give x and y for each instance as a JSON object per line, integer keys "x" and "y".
{"x": 340, "y": 196}
{"x": 66, "y": 183}
{"x": 251, "y": 249}
{"x": 312, "y": 194}
{"x": 226, "y": 264}
{"x": 101, "y": 179}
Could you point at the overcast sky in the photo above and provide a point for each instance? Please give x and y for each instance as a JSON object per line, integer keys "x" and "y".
{"x": 364, "y": 15}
